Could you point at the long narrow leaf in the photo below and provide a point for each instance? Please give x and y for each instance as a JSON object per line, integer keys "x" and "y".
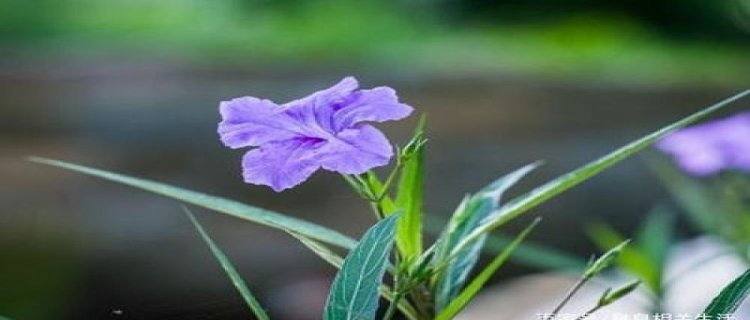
{"x": 230, "y": 270}
{"x": 527, "y": 253}
{"x": 458, "y": 304}
{"x": 655, "y": 237}
{"x": 730, "y": 298}
{"x": 319, "y": 249}
{"x": 354, "y": 293}
{"x": 226, "y": 206}
{"x": 550, "y": 189}
{"x": 410, "y": 197}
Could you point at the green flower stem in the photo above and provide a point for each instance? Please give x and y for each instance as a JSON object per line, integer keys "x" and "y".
{"x": 573, "y": 290}
{"x": 392, "y": 307}
{"x": 403, "y": 305}
{"x": 389, "y": 180}
{"x": 590, "y": 312}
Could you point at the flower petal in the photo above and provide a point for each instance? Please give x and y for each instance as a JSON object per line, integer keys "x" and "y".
{"x": 330, "y": 96}
{"x": 709, "y": 148}
{"x": 357, "y": 150}
{"x": 315, "y": 112}
{"x": 378, "y": 104}
{"x": 250, "y": 122}
{"x": 282, "y": 165}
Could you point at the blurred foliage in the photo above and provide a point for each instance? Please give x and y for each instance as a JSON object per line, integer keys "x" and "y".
{"x": 718, "y": 206}
{"x": 684, "y": 19}
{"x": 49, "y": 276}
{"x": 659, "y": 42}
{"x": 646, "y": 257}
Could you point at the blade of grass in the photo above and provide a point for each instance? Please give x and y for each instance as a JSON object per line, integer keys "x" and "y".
{"x": 527, "y": 253}
{"x": 223, "y": 205}
{"x": 552, "y": 188}
{"x": 229, "y": 269}
{"x": 322, "y": 251}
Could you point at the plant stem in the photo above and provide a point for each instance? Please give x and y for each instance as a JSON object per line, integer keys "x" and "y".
{"x": 392, "y": 307}
{"x": 590, "y": 312}
{"x": 406, "y": 308}
{"x": 389, "y": 181}
{"x": 421, "y": 296}
{"x": 573, "y": 290}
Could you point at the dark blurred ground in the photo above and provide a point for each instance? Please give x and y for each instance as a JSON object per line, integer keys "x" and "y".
{"x": 133, "y": 87}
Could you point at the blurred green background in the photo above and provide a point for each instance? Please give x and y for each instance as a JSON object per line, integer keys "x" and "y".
{"x": 659, "y": 42}
{"x": 133, "y": 85}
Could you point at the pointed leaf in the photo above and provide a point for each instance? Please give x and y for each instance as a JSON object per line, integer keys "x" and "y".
{"x": 337, "y": 261}
{"x": 605, "y": 261}
{"x": 229, "y": 269}
{"x": 354, "y": 293}
{"x": 226, "y": 206}
{"x": 655, "y": 237}
{"x": 611, "y": 296}
{"x": 458, "y": 304}
{"x": 730, "y": 298}
{"x": 410, "y": 197}
{"x": 552, "y": 188}
{"x": 469, "y": 216}
{"x": 633, "y": 259}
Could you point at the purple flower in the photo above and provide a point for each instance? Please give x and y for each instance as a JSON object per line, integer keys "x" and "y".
{"x": 706, "y": 149}
{"x": 326, "y": 129}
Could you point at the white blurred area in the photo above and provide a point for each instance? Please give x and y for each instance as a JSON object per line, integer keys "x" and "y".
{"x": 696, "y": 272}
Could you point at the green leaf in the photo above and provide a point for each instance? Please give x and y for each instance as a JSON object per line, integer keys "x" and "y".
{"x": 4, "y": 318}
{"x": 322, "y": 251}
{"x": 354, "y": 293}
{"x": 337, "y": 261}
{"x": 730, "y": 298}
{"x": 611, "y": 296}
{"x": 552, "y": 188}
{"x": 410, "y": 196}
{"x": 632, "y": 259}
{"x": 527, "y": 253}
{"x": 693, "y": 196}
{"x": 458, "y": 304}
{"x": 605, "y": 260}
{"x": 655, "y": 237}
{"x": 470, "y": 215}
{"x": 377, "y": 187}
{"x": 229, "y": 269}
{"x": 226, "y": 206}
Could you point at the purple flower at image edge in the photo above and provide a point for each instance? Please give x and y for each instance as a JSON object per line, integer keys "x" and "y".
{"x": 327, "y": 129}
{"x": 709, "y": 148}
